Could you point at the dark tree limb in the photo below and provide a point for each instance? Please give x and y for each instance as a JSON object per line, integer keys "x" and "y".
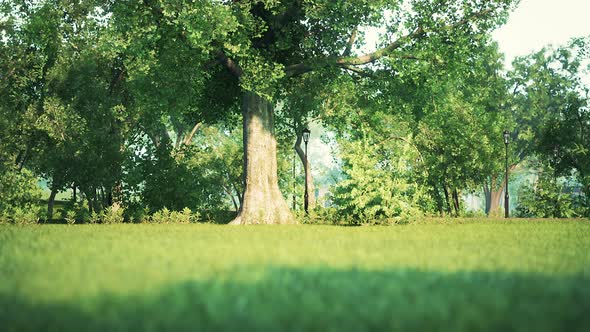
{"x": 350, "y": 43}
{"x": 229, "y": 63}
{"x": 343, "y": 61}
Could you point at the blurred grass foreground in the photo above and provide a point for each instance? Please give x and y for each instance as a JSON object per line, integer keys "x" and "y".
{"x": 479, "y": 276}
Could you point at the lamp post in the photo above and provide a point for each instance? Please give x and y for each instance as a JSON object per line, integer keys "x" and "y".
{"x": 506, "y": 199}
{"x": 306, "y": 133}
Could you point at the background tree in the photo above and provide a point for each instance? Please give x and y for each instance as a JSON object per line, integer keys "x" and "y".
{"x": 551, "y": 106}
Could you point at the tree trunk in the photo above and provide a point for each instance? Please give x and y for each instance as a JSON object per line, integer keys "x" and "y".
{"x": 456, "y": 202}
{"x": 90, "y": 207}
{"x": 50, "y": 203}
{"x": 22, "y": 158}
{"x": 437, "y": 199}
{"x": 496, "y": 201}
{"x": 233, "y": 198}
{"x": 306, "y": 169}
{"x": 494, "y": 195}
{"x": 488, "y": 198}
{"x": 447, "y": 200}
{"x": 96, "y": 201}
{"x": 263, "y": 202}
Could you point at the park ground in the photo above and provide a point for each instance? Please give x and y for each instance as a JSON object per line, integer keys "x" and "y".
{"x": 527, "y": 275}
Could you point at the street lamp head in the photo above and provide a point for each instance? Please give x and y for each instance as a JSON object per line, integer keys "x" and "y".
{"x": 506, "y": 136}
{"x": 306, "y": 133}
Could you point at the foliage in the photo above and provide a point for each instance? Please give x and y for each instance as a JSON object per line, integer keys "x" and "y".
{"x": 95, "y": 218}
{"x": 21, "y": 215}
{"x": 205, "y": 175}
{"x": 70, "y": 217}
{"x": 378, "y": 181}
{"x": 18, "y": 189}
{"x": 322, "y": 216}
{"x": 547, "y": 198}
{"x": 553, "y": 102}
{"x": 165, "y": 216}
{"x": 113, "y": 214}
{"x": 101, "y": 97}
{"x": 76, "y": 212}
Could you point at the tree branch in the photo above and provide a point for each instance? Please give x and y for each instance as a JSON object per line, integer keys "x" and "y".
{"x": 358, "y": 71}
{"x": 364, "y": 59}
{"x": 351, "y": 41}
{"x": 230, "y": 64}
{"x": 189, "y": 137}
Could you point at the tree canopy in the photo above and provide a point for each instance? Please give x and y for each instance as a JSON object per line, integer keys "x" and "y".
{"x": 139, "y": 103}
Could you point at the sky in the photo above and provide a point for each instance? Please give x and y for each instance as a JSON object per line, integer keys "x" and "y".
{"x": 538, "y": 23}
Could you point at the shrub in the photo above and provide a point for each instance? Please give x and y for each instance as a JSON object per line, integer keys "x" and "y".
{"x": 320, "y": 216}
{"x": 113, "y": 214}
{"x": 4, "y": 218}
{"x": 374, "y": 189}
{"x": 136, "y": 213}
{"x": 95, "y": 218}
{"x": 165, "y": 216}
{"x": 546, "y": 198}
{"x": 70, "y": 217}
{"x": 19, "y": 194}
{"x": 182, "y": 217}
{"x": 23, "y": 216}
{"x": 18, "y": 189}
{"x": 160, "y": 217}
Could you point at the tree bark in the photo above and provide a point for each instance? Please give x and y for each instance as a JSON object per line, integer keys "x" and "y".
{"x": 90, "y": 206}
{"x": 189, "y": 138}
{"x": 263, "y": 202}
{"x": 447, "y": 199}
{"x": 306, "y": 169}
{"x": 50, "y": 204}
{"x": 488, "y": 198}
{"x": 438, "y": 200}
{"x": 494, "y": 194}
{"x": 456, "y": 202}
{"x": 496, "y": 200}
{"x": 233, "y": 198}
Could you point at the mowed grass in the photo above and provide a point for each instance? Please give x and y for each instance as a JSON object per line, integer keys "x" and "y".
{"x": 497, "y": 276}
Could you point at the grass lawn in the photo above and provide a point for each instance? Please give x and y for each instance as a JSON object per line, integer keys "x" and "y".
{"x": 471, "y": 276}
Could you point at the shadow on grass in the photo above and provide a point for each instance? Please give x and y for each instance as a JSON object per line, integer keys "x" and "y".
{"x": 324, "y": 299}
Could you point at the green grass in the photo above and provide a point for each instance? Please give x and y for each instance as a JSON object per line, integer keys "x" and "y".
{"x": 528, "y": 276}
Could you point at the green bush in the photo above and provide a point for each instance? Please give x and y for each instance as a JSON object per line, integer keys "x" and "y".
{"x": 183, "y": 217}
{"x": 546, "y": 198}
{"x": 76, "y": 212}
{"x": 113, "y": 214}
{"x": 320, "y": 216}
{"x": 70, "y": 217}
{"x": 165, "y": 216}
{"x": 23, "y": 216}
{"x": 160, "y": 217}
{"x": 19, "y": 192}
{"x": 376, "y": 190}
{"x": 95, "y": 218}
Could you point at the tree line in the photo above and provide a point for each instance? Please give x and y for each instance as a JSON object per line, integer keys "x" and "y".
{"x": 159, "y": 104}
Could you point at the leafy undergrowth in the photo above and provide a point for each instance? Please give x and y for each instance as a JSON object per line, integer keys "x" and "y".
{"x": 529, "y": 276}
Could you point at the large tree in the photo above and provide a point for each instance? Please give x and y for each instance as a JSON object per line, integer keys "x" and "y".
{"x": 551, "y": 108}
{"x": 264, "y": 43}
{"x": 170, "y": 54}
